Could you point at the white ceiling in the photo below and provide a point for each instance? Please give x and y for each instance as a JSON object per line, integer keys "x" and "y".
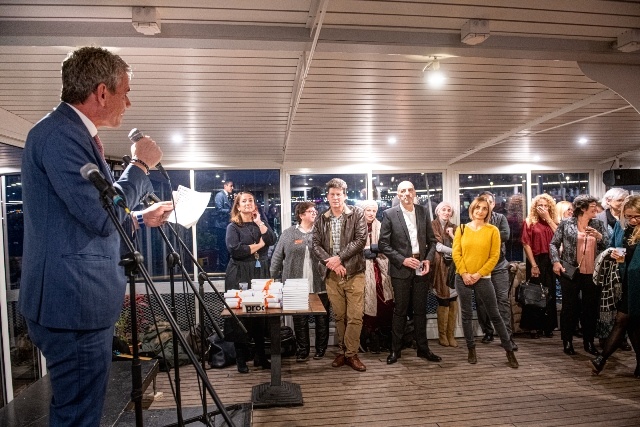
{"x": 298, "y": 83}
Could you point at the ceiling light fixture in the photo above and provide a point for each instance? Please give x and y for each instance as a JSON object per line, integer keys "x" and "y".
{"x": 583, "y": 140}
{"x": 146, "y": 20}
{"x": 392, "y": 140}
{"x": 435, "y": 77}
{"x": 629, "y": 41}
{"x": 475, "y": 31}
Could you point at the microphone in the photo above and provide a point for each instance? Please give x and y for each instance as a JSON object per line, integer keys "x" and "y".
{"x": 135, "y": 135}
{"x": 92, "y": 173}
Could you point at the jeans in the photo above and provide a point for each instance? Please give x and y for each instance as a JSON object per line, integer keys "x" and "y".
{"x": 485, "y": 292}
{"x": 501, "y": 285}
{"x": 347, "y": 300}
{"x": 78, "y": 364}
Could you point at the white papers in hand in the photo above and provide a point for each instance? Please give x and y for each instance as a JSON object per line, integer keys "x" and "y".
{"x": 189, "y": 206}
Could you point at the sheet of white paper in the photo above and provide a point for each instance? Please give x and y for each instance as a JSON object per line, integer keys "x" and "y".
{"x": 189, "y": 206}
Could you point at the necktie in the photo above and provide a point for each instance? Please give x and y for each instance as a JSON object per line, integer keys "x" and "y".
{"x": 99, "y": 145}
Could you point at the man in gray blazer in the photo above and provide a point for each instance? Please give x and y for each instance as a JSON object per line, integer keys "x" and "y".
{"x": 407, "y": 239}
{"x": 72, "y": 287}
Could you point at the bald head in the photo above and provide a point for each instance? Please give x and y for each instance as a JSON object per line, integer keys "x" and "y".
{"x": 406, "y": 194}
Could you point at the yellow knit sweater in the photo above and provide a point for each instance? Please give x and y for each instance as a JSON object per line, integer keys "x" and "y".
{"x": 476, "y": 251}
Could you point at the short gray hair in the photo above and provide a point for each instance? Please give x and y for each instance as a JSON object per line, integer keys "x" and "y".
{"x": 613, "y": 194}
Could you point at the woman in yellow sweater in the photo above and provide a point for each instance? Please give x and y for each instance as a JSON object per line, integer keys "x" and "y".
{"x": 476, "y": 249}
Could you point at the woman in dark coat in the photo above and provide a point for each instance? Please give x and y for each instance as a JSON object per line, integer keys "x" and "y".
{"x": 626, "y": 234}
{"x": 248, "y": 240}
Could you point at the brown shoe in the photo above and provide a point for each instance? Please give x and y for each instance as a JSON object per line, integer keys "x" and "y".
{"x": 338, "y": 361}
{"x": 355, "y": 363}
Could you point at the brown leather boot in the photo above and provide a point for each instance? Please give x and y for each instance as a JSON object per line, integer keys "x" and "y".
{"x": 511, "y": 357}
{"x": 452, "y": 321}
{"x": 443, "y": 314}
{"x": 355, "y": 363}
{"x": 471, "y": 358}
{"x": 338, "y": 361}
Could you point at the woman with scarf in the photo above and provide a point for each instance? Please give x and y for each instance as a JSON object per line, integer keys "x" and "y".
{"x": 626, "y": 236}
{"x": 378, "y": 292}
{"x": 447, "y": 297}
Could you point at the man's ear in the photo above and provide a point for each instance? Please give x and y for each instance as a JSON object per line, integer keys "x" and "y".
{"x": 101, "y": 93}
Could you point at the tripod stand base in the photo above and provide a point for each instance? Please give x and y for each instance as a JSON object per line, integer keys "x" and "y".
{"x": 241, "y": 415}
{"x": 269, "y": 396}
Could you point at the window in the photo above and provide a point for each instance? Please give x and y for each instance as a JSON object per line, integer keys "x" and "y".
{"x": 561, "y": 186}
{"x": 510, "y": 198}
{"x": 211, "y": 229}
{"x": 313, "y": 188}
{"x": 428, "y": 189}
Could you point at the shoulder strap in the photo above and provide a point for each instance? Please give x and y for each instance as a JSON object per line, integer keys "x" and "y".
{"x": 462, "y": 229}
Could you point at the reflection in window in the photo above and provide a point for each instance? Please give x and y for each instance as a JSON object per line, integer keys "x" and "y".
{"x": 561, "y": 186}
{"x": 428, "y": 189}
{"x": 211, "y": 229}
{"x": 312, "y": 188}
{"x": 509, "y": 191}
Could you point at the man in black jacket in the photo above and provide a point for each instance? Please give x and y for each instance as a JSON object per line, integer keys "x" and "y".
{"x": 407, "y": 239}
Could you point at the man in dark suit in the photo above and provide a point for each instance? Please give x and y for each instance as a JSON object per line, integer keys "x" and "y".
{"x": 72, "y": 287}
{"x": 407, "y": 239}
{"x": 223, "y": 202}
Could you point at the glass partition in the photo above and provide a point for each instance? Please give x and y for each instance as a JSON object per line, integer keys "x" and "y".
{"x": 211, "y": 228}
{"x": 312, "y": 188}
{"x": 560, "y": 185}
{"x": 428, "y": 189}
{"x": 510, "y": 197}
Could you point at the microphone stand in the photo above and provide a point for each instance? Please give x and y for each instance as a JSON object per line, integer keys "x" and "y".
{"x": 173, "y": 259}
{"x": 134, "y": 261}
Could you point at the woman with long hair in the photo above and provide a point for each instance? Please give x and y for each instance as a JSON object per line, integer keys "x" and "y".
{"x": 476, "y": 250}
{"x": 626, "y": 235}
{"x": 582, "y": 238}
{"x": 538, "y": 229}
{"x": 378, "y": 291}
{"x": 447, "y": 298}
{"x": 293, "y": 258}
{"x": 248, "y": 239}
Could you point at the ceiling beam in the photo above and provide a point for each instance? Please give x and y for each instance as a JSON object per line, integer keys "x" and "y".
{"x": 296, "y": 39}
{"x": 301, "y": 76}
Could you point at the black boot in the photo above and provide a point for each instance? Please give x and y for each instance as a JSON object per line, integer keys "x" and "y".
{"x": 322, "y": 336}
{"x": 241, "y": 357}
{"x": 301, "y": 330}
{"x": 568, "y": 348}
{"x": 590, "y": 347}
{"x": 597, "y": 365}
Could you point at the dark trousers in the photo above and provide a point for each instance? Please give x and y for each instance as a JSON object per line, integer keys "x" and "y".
{"x": 412, "y": 289}
{"x": 78, "y": 363}
{"x": 301, "y": 329}
{"x": 221, "y": 246}
{"x": 587, "y": 310}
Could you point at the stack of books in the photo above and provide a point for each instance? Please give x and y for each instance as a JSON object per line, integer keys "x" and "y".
{"x": 295, "y": 294}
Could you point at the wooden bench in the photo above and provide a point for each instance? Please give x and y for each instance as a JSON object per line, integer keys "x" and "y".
{"x": 31, "y": 407}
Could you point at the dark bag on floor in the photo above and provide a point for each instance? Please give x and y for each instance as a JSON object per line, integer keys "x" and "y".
{"x": 221, "y": 353}
{"x": 532, "y": 294}
{"x": 287, "y": 342}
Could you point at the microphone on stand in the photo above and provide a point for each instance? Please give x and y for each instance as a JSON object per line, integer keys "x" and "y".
{"x": 135, "y": 135}
{"x": 92, "y": 173}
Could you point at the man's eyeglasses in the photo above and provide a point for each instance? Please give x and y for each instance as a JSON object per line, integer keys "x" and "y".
{"x": 632, "y": 217}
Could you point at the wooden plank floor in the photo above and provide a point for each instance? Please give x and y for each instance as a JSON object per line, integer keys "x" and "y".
{"x": 549, "y": 389}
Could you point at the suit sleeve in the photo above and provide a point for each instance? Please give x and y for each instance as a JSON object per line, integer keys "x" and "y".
{"x": 384, "y": 242}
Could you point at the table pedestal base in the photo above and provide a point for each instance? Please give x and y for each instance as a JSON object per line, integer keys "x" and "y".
{"x": 269, "y": 396}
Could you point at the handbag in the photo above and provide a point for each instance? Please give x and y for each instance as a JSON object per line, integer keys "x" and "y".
{"x": 532, "y": 295}
{"x": 570, "y": 270}
{"x": 451, "y": 276}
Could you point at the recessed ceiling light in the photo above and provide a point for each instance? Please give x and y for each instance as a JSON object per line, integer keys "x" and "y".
{"x": 583, "y": 140}
{"x": 535, "y": 158}
{"x": 177, "y": 138}
{"x": 392, "y": 140}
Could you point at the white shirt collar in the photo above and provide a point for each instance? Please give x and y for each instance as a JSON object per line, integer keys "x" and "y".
{"x": 93, "y": 130}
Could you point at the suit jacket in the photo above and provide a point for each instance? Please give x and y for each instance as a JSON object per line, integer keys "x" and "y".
{"x": 223, "y": 210}
{"x": 395, "y": 242}
{"x": 70, "y": 277}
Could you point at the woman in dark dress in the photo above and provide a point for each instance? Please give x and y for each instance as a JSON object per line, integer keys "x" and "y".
{"x": 537, "y": 232}
{"x": 626, "y": 234}
{"x": 248, "y": 240}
